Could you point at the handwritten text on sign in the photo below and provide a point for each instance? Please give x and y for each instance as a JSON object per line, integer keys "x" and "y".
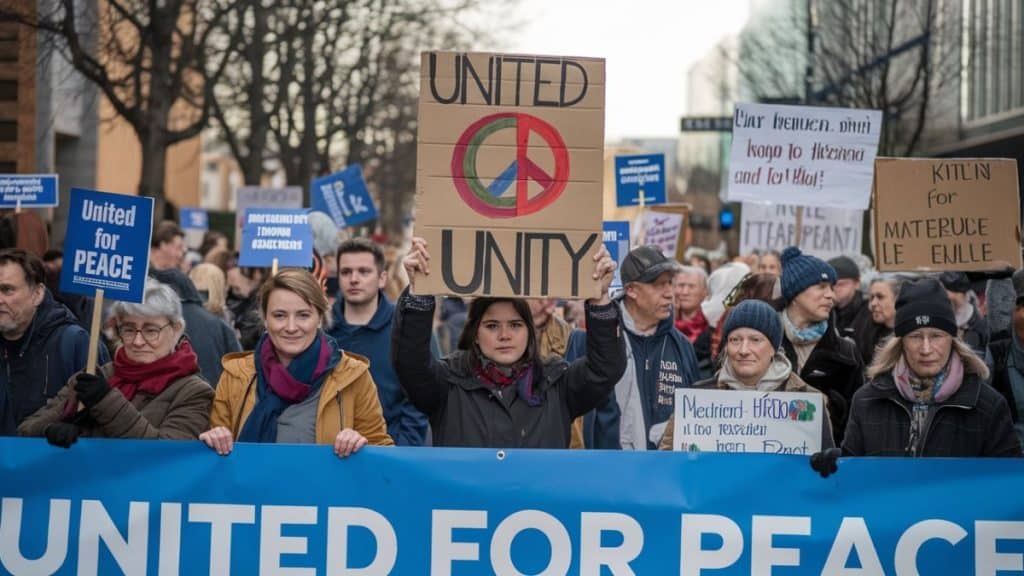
{"x": 662, "y": 229}
{"x": 825, "y": 232}
{"x": 803, "y": 155}
{"x": 747, "y": 421}
{"x": 938, "y": 214}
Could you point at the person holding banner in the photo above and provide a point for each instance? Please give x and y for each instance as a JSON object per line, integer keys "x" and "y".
{"x": 151, "y": 390}
{"x": 927, "y": 395}
{"x": 495, "y": 390}
{"x": 752, "y": 360}
{"x": 298, "y": 386}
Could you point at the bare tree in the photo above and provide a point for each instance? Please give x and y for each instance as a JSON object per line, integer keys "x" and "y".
{"x": 154, "y": 62}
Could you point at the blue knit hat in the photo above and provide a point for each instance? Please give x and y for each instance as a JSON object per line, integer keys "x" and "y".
{"x": 801, "y": 271}
{"x": 757, "y": 315}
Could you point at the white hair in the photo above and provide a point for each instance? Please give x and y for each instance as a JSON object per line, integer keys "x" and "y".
{"x": 158, "y": 299}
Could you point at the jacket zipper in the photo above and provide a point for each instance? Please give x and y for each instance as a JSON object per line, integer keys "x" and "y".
{"x": 928, "y": 428}
{"x": 341, "y": 412}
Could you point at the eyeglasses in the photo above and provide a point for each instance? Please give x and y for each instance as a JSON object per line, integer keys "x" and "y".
{"x": 918, "y": 339}
{"x": 149, "y": 333}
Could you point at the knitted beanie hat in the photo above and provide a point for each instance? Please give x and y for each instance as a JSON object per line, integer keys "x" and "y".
{"x": 924, "y": 304}
{"x": 757, "y": 315}
{"x": 801, "y": 271}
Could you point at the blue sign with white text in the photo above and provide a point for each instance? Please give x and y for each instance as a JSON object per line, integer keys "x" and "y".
{"x": 107, "y": 244}
{"x": 344, "y": 197}
{"x": 194, "y": 219}
{"x": 616, "y": 239}
{"x": 641, "y": 173}
{"x": 281, "y": 233}
{"x": 176, "y": 507}
{"x": 28, "y": 190}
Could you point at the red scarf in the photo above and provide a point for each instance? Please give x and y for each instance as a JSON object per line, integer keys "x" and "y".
{"x": 152, "y": 377}
{"x": 694, "y": 326}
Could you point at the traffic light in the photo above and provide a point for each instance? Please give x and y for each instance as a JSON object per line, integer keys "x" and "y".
{"x": 726, "y": 218}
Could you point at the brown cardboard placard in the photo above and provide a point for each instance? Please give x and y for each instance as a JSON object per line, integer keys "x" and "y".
{"x": 938, "y": 214}
{"x": 510, "y": 173}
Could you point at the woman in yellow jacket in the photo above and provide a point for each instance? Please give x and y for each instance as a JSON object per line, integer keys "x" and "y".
{"x": 297, "y": 386}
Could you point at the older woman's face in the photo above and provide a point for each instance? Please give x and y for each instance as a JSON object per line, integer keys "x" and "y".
{"x": 927, "y": 351}
{"x": 882, "y": 304}
{"x": 292, "y": 324}
{"x": 147, "y": 338}
{"x": 749, "y": 353}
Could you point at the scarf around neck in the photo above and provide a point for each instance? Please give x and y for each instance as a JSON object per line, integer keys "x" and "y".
{"x": 278, "y": 387}
{"x": 693, "y": 327}
{"x": 809, "y": 335}
{"x": 927, "y": 391}
{"x": 502, "y": 377}
{"x": 774, "y": 378}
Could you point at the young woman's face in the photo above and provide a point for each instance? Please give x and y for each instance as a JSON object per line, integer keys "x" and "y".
{"x": 502, "y": 334}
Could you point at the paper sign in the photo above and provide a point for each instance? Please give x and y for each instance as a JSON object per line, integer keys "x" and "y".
{"x": 107, "y": 245}
{"x": 28, "y": 190}
{"x": 616, "y": 240}
{"x": 662, "y": 229}
{"x": 344, "y": 197}
{"x": 826, "y": 232}
{"x": 747, "y": 421}
{"x": 280, "y": 233}
{"x": 640, "y": 174}
{"x": 803, "y": 155}
{"x": 935, "y": 214}
{"x": 510, "y": 160}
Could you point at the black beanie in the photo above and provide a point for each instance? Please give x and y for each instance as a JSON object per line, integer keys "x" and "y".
{"x": 845, "y": 267}
{"x": 955, "y": 281}
{"x": 924, "y": 304}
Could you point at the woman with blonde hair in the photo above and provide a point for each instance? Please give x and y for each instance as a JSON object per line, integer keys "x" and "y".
{"x": 212, "y": 285}
{"x": 297, "y": 386}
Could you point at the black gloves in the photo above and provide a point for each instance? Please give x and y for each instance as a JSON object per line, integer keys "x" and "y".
{"x": 91, "y": 388}
{"x": 62, "y": 434}
{"x": 824, "y": 462}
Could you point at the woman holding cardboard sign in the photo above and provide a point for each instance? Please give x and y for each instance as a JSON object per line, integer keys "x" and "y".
{"x": 152, "y": 389}
{"x": 752, "y": 360}
{"x": 297, "y": 386}
{"x": 495, "y": 391}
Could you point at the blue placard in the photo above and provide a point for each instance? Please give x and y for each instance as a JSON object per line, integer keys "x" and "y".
{"x": 634, "y": 174}
{"x": 28, "y": 190}
{"x": 616, "y": 239}
{"x": 281, "y": 233}
{"x": 131, "y": 506}
{"x": 107, "y": 244}
{"x": 344, "y": 196}
{"x": 194, "y": 219}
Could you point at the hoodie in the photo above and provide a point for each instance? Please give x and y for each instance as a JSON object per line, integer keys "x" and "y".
{"x": 407, "y": 426}
{"x": 211, "y": 337}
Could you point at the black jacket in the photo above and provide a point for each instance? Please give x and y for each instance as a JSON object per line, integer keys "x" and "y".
{"x": 974, "y": 422}
{"x": 211, "y": 337}
{"x": 835, "y": 369}
{"x": 1001, "y": 350}
{"x": 463, "y": 410}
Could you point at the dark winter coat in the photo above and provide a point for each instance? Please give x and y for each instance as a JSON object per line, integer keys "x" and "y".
{"x": 464, "y": 411}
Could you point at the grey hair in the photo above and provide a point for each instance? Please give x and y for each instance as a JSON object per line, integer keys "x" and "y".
{"x": 158, "y": 299}
{"x": 887, "y": 354}
{"x": 894, "y": 282}
{"x": 696, "y": 271}
{"x": 325, "y": 234}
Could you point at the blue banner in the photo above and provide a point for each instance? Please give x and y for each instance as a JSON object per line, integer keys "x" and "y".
{"x": 344, "y": 197}
{"x": 194, "y": 219}
{"x": 281, "y": 233}
{"x": 28, "y": 190}
{"x": 640, "y": 175}
{"x": 616, "y": 240}
{"x": 107, "y": 244}
{"x": 168, "y": 508}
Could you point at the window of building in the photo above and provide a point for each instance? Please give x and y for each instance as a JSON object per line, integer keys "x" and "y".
{"x": 8, "y": 131}
{"x": 994, "y": 58}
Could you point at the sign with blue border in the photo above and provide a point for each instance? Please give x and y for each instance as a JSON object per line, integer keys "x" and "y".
{"x": 282, "y": 233}
{"x": 194, "y": 219}
{"x": 28, "y": 190}
{"x": 344, "y": 197}
{"x": 640, "y": 174}
{"x": 107, "y": 244}
{"x": 616, "y": 240}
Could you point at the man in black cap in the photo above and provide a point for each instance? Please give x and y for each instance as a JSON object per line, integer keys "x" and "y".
{"x": 970, "y": 322}
{"x": 853, "y": 317}
{"x": 659, "y": 358}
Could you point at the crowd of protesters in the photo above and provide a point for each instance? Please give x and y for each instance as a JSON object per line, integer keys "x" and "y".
{"x": 346, "y": 353}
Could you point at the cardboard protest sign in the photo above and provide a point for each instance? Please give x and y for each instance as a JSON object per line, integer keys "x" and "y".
{"x": 803, "y": 155}
{"x": 509, "y": 173}
{"x": 281, "y": 233}
{"x": 259, "y": 197}
{"x": 934, "y": 214}
{"x": 344, "y": 197}
{"x": 747, "y": 421}
{"x": 640, "y": 176}
{"x": 28, "y": 190}
{"x": 107, "y": 244}
{"x": 616, "y": 240}
{"x": 826, "y": 232}
{"x": 663, "y": 229}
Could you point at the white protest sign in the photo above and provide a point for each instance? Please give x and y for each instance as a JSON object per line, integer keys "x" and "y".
{"x": 826, "y": 232}
{"x": 803, "y": 155}
{"x": 747, "y": 421}
{"x": 662, "y": 229}
{"x": 259, "y": 197}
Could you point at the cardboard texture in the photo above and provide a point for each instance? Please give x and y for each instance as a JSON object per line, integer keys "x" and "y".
{"x": 510, "y": 173}
{"x": 946, "y": 214}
